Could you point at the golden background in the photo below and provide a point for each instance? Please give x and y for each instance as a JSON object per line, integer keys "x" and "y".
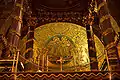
{"x": 76, "y": 33}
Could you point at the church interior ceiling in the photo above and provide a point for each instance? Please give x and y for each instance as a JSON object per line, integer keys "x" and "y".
{"x": 59, "y": 28}
{"x": 6, "y": 8}
{"x": 73, "y": 12}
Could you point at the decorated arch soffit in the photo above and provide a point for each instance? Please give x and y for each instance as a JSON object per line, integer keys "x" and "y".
{"x": 65, "y": 39}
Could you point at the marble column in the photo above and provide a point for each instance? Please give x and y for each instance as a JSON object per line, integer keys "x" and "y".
{"x": 29, "y": 44}
{"x": 14, "y": 33}
{"x": 89, "y": 21}
{"x": 91, "y": 48}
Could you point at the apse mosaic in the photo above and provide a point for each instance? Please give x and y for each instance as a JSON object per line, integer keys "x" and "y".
{"x": 64, "y": 41}
{"x": 63, "y": 47}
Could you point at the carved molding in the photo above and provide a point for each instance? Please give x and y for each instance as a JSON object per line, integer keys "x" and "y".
{"x": 74, "y": 17}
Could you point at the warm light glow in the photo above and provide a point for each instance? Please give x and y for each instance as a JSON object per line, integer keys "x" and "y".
{"x": 65, "y": 35}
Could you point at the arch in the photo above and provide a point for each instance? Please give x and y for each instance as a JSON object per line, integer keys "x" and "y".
{"x": 42, "y": 31}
